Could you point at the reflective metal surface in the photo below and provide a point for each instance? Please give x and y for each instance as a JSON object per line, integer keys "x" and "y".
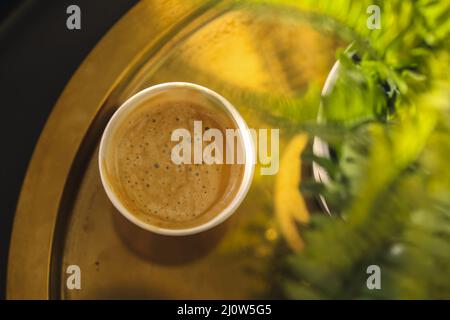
{"x": 64, "y": 216}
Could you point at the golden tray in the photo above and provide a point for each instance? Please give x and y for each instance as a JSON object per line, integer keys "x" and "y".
{"x": 64, "y": 217}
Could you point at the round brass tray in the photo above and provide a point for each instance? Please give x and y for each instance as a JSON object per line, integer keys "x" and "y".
{"x": 64, "y": 217}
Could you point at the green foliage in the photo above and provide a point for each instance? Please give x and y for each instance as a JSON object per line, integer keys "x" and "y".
{"x": 387, "y": 119}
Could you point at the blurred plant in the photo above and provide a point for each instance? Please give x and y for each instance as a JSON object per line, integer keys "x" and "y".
{"x": 388, "y": 123}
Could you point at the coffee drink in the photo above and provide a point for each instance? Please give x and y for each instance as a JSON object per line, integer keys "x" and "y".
{"x": 140, "y": 170}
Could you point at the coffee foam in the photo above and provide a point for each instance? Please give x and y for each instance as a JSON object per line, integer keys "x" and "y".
{"x": 150, "y": 185}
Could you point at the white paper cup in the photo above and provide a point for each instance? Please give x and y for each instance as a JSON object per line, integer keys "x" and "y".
{"x": 176, "y": 88}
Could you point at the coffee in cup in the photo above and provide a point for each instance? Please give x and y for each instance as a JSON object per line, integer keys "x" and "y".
{"x": 140, "y": 166}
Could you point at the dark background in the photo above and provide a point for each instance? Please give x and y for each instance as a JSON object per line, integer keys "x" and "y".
{"x": 38, "y": 55}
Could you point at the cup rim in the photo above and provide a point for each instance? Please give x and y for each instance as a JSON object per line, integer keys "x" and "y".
{"x": 248, "y": 146}
{"x": 321, "y": 147}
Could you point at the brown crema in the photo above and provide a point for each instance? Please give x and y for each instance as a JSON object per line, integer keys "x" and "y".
{"x": 150, "y": 185}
